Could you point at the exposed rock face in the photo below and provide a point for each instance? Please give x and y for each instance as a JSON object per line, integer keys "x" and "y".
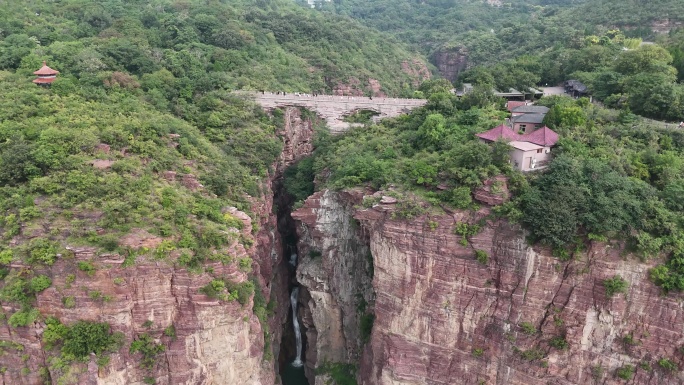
{"x": 493, "y": 192}
{"x": 352, "y": 87}
{"x": 215, "y": 342}
{"x": 442, "y": 317}
{"x": 665, "y": 26}
{"x": 335, "y": 270}
{"x": 451, "y": 62}
{"x": 298, "y": 138}
{"x": 417, "y": 70}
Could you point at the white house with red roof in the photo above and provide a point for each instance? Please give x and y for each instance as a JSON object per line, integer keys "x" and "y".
{"x": 529, "y": 151}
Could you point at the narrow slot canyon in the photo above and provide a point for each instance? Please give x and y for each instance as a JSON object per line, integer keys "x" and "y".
{"x": 293, "y": 344}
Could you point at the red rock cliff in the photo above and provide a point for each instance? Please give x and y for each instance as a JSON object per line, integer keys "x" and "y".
{"x": 521, "y": 317}
{"x": 215, "y": 342}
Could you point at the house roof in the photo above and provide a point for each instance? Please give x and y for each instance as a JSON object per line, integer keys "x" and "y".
{"x": 499, "y": 132}
{"x": 525, "y": 109}
{"x": 543, "y": 137}
{"x": 576, "y": 85}
{"x": 45, "y": 70}
{"x": 510, "y": 92}
{"x": 524, "y": 146}
{"x": 511, "y": 105}
{"x": 529, "y": 118}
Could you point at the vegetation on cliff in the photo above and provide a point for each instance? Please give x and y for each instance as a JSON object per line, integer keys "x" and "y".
{"x": 614, "y": 176}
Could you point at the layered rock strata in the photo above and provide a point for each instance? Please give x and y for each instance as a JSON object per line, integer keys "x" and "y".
{"x": 213, "y": 342}
{"x": 335, "y": 270}
{"x": 515, "y": 315}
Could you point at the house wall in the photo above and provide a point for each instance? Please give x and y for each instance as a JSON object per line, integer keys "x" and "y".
{"x": 521, "y": 159}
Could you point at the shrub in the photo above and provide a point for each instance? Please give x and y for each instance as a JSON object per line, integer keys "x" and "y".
{"x": 528, "y": 328}
{"x": 245, "y": 264}
{"x": 85, "y": 337}
{"x": 478, "y": 352}
{"x": 615, "y": 285}
{"x": 42, "y": 251}
{"x": 87, "y": 267}
{"x": 146, "y": 346}
{"x": 109, "y": 242}
{"x": 597, "y": 372}
{"x": 559, "y": 343}
{"x": 460, "y": 197}
{"x": 668, "y": 365}
{"x": 629, "y": 340}
{"x": 214, "y": 289}
{"x": 69, "y": 302}
{"x": 241, "y": 292}
{"x": 40, "y": 283}
{"x": 6, "y": 256}
{"x": 532, "y": 354}
{"x": 481, "y": 256}
{"x": 23, "y": 317}
{"x": 466, "y": 230}
{"x": 170, "y": 331}
{"x": 626, "y": 372}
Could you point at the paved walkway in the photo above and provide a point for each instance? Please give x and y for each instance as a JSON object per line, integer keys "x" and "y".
{"x": 334, "y": 108}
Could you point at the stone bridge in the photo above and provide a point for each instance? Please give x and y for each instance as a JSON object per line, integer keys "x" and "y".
{"x": 334, "y": 108}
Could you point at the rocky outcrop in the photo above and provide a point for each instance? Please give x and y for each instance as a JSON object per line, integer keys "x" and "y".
{"x": 489, "y": 309}
{"x": 214, "y": 342}
{"x": 335, "y": 269}
{"x": 417, "y": 70}
{"x": 493, "y": 191}
{"x": 450, "y": 61}
{"x": 297, "y": 134}
{"x": 665, "y": 25}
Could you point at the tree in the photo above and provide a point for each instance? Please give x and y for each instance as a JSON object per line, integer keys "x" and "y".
{"x": 647, "y": 58}
{"x": 13, "y": 48}
{"x": 433, "y": 130}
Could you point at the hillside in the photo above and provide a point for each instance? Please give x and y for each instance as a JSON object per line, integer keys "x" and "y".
{"x": 158, "y": 227}
{"x": 195, "y": 48}
{"x": 458, "y": 35}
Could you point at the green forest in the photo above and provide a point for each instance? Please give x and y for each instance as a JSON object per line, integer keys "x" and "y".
{"x": 530, "y": 43}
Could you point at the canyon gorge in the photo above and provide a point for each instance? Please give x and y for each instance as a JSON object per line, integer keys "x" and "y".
{"x": 384, "y": 299}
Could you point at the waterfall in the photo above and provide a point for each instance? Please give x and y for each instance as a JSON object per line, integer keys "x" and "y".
{"x": 293, "y": 259}
{"x": 298, "y": 334}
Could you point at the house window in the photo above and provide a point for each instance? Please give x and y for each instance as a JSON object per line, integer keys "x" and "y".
{"x": 523, "y": 127}
{"x": 540, "y": 151}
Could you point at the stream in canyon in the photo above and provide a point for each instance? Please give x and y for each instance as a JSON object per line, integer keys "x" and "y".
{"x": 291, "y": 359}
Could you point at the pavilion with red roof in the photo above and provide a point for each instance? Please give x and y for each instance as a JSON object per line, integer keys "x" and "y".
{"x": 45, "y": 75}
{"x": 530, "y": 151}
